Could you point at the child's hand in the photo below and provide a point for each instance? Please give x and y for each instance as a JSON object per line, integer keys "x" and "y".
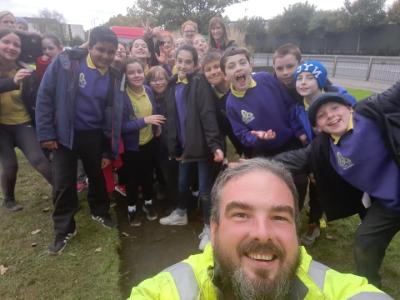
{"x": 155, "y": 120}
{"x": 303, "y": 139}
{"x": 264, "y": 135}
{"x": 218, "y": 155}
{"x": 21, "y": 75}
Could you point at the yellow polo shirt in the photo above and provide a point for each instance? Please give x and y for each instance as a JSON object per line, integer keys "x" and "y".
{"x": 142, "y": 107}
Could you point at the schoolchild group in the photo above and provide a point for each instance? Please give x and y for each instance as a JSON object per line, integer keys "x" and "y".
{"x": 163, "y": 111}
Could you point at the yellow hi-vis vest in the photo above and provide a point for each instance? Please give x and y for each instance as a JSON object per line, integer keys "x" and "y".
{"x": 191, "y": 280}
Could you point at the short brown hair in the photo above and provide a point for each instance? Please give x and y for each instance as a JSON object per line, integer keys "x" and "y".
{"x": 231, "y": 52}
{"x": 286, "y": 49}
{"x": 211, "y": 56}
{"x": 189, "y": 22}
{"x": 154, "y": 71}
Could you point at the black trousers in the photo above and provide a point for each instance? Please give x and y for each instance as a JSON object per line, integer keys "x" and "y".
{"x": 139, "y": 171}
{"x": 372, "y": 238}
{"x": 88, "y": 147}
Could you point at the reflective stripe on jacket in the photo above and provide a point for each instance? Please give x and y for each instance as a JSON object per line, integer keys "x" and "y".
{"x": 191, "y": 280}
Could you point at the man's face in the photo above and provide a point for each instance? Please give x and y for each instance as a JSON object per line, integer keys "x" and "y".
{"x": 238, "y": 71}
{"x": 333, "y": 118}
{"x": 256, "y": 239}
{"x": 102, "y": 54}
{"x": 285, "y": 67}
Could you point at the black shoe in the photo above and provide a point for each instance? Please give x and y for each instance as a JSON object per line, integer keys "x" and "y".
{"x": 106, "y": 221}
{"x": 60, "y": 243}
{"x": 150, "y": 212}
{"x": 133, "y": 218}
{"x": 11, "y": 205}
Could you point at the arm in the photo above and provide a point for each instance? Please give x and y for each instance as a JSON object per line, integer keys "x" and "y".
{"x": 207, "y": 111}
{"x": 7, "y": 84}
{"x": 45, "y": 104}
{"x": 297, "y": 161}
{"x": 388, "y": 101}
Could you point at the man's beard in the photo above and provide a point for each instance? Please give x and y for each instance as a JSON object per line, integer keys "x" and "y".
{"x": 234, "y": 278}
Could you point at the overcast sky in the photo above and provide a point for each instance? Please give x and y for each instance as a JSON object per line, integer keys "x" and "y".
{"x": 91, "y": 13}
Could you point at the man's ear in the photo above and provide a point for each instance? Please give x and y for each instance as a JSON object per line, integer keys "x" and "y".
{"x": 214, "y": 228}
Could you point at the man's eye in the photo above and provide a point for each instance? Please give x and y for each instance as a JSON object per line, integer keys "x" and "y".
{"x": 240, "y": 215}
{"x": 280, "y": 218}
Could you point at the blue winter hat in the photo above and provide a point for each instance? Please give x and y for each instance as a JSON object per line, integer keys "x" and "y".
{"x": 316, "y": 69}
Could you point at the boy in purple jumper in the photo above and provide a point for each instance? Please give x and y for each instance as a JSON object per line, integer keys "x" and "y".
{"x": 74, "y": 106}
{"x": 261, "y": 112}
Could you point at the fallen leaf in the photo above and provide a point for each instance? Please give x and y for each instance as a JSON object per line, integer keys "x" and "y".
{"x": 125, "y": 234}
{"x": 34, "y": 244}
{"x": 46, "y": 209}
{"x": 45, "y": 197}
{"x": 3, "y": 269}
{"x": 98, "y": 249}
{"x": 36, "y": 231}
{"x": 330, "y": 237}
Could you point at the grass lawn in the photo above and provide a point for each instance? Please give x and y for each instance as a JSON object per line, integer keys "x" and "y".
{"x": 88, "y": 269}
{"x": 359, "y": 94}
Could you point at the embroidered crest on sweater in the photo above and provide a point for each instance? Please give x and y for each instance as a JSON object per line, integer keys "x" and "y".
{"x": 82, "y": 80}
{"x": 247, "y": 117}
{"x": 344, "y": 162}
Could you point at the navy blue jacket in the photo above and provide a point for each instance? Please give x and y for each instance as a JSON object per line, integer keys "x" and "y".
{"x": 55, "y": 107}
{"x": 131, "y": 125}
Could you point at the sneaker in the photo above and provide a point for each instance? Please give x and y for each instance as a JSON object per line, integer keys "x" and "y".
{"x": 11, "y": 205}
{"x": 311, "y": 235}
{"x": 150, "y": 212}
{"x": 204, "y": 237}
{"x": 60, "y": 243}
{"x": 121, "y": 190}
{"x": 106, "y": 221}
{"x": 133, "y": 219}
{"x": 81, "y": 186}
{"x": 174, "y": 218}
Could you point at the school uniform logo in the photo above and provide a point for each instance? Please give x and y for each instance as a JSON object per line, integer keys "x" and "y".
{"x": 344, "y": 162}
{"x": 82, "y": 80}
{"x": 247, "y": 117}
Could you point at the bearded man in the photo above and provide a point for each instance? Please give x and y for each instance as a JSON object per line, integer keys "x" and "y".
{"x": 254, "y": 251}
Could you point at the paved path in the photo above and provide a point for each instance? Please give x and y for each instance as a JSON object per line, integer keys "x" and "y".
{"x": 376, "y": 87}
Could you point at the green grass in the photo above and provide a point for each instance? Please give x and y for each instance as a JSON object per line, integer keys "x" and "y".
{"x": 359, "y": 94}
{"x": 79, "y": 273}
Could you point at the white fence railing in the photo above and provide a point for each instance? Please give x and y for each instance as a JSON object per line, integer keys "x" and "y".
{"x": 369, "y": 68}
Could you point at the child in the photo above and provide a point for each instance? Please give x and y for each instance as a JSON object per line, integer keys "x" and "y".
{"x": 74, "y": 119}
{"x": 140, "y": 50}
{"x": 17, "y": 114}
{"x": 193, "y": 136}
{"x": 260, "y": 111}
{"x": 311, "y": 81}
{"x": 215, "y": 77}
{"x": 139, "y": 127}
{"x": 363, "y": 150}
{"x": 51, "y": 47}
{"x": 201, "y": 46}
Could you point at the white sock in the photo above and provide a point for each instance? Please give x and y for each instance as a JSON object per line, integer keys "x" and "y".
{"x": 148, "y": 202}
{"x": 132, "y": 208}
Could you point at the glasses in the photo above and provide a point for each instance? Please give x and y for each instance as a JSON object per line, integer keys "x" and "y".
{"x": 158, "y": 81}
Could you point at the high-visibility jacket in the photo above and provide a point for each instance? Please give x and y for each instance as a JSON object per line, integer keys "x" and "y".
{"x": 191, "y": 280}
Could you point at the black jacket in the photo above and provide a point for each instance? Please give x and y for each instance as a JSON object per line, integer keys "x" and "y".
{"x": 202, "y": 135}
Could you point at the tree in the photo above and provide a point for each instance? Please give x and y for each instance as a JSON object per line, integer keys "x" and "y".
{"x": 47, "y": 14}
{"x": 172, "y": 13}
{"x": 121, "y": 20}
{"x": 393, "y": 14}
{"x": 294, "y": 20}
{"x": 364, "y": 13}
{"x": 328, "y": 21}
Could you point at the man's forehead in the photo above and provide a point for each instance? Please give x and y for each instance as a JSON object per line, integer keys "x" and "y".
{"x": 253, "y": 183}
{"x": 235, "y": 57}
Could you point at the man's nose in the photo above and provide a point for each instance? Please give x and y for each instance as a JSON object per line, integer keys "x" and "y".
{"x": 262, "y": 229}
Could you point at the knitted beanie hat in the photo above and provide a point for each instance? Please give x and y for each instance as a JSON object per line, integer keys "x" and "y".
{"x": 316, "y": 69}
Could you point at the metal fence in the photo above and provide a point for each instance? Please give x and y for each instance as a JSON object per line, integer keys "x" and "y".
{"x": 368, "y": 68}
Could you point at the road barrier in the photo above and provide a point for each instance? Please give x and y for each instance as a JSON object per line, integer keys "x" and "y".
{"x": 369, "y": 68}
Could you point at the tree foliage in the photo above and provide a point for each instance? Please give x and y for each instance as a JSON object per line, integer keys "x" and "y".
{"x": 393, "y": 14}
{"x": 51, "y": 14}
{"x": 172, "y": 13}
{"x": 294, "y": 20}
{"x": 365, "y": 13}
